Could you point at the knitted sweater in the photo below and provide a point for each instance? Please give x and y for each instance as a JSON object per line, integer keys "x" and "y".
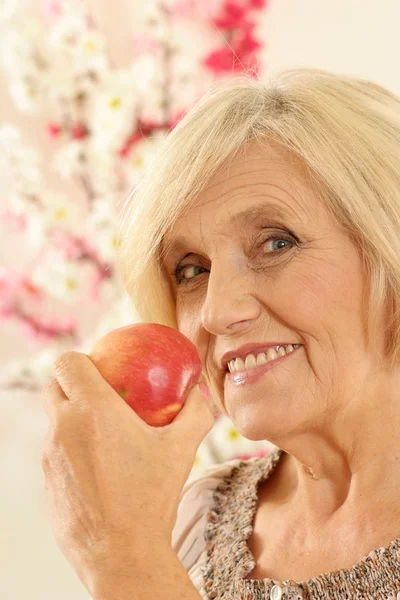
{"x": 215, "y": 520}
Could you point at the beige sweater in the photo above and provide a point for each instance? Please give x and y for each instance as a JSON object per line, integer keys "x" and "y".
{"x": 215, "y": 518}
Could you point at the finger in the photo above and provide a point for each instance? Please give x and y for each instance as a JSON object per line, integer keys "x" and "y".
{"x": 84, "y": 385}
{"x": 198, "y": 409}
{"x": 80, "y": 380}
{"x": 52, "y": 397}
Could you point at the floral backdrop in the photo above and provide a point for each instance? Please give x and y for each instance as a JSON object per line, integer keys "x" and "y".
{"x": 104, "y": 122}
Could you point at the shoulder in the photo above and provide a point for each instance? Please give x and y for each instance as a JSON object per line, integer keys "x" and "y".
{"x": 188, "y": 539}
{"x": 199, "y": 496}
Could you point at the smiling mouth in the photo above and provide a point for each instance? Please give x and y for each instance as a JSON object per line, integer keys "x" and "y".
{"x": 253, "y": 374}
{"x": 253, "y": 361}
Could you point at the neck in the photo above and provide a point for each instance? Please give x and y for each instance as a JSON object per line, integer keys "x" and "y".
{"x": 351, "y": 465}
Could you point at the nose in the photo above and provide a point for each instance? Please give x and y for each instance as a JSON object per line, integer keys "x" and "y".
{"x": 230, "y": 303}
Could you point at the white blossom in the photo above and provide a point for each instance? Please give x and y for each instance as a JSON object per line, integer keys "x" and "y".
{"x": 91, "y": 52}
{"x": 184, "y": 65}
{"x": 35, "y": 233}
{"x": 8, "y": 9}
{"x": 66, "y": 31}
{"x": 72, "y": 8}
{"x": 204, "y": 457}
{"x": 103, "y": 168}
{"x": 146, "y": 72}
{"x": 27, "y": 93}
{"x": 67, "y": 160}
{"x": 20, "y": 160}
{"x": 142, "y": 157}
{"x": 17, "y": 371}
{"x": 42, "y": 363}
{"x": 102, "y": 213}
{"x": 9, "y": 135}
{"x": 112, "y": 110}
{"x": 59, "y": 209}
{"x": 101, "y": 227}
{"x": 35, "y": 371}
{"x": 154, "y": 109}
{"x": 61, "y": 82}
{"x": 17, "y": 47}
{"x": 66, "y": 280}
{"x": 106, "y": 244}
{"x": 231, "y": 442}
{"x": 35, "y": 230}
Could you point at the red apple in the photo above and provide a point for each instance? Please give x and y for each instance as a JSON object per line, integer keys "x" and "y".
{"x": 151, "y": 366}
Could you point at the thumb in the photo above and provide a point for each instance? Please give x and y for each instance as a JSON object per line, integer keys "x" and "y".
{"x": 195, "y": 412}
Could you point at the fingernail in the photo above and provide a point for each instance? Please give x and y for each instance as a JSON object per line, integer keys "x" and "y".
{"x": 204, "y": 390}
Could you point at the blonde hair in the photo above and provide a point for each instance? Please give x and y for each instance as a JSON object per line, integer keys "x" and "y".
{"x": 346, "y": 132}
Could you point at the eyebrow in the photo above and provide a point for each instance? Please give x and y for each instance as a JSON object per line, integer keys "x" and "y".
{"x": 250, "y": 216}
{"x": 255, "y": 213}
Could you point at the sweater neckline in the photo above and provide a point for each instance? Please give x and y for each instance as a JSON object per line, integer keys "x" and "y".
{"x": 229, "y": 559}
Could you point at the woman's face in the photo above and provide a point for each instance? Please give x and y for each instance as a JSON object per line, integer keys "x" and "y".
{"x": 283, "y": 273}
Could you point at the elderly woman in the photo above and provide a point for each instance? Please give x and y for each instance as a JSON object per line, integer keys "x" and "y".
{"x": 268, "y": 232}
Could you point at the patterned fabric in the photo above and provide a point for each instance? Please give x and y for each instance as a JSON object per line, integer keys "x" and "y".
{"x": 220, "y": 560}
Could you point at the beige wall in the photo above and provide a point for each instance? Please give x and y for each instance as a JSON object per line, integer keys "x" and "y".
{"x": 360, "y": 37}
{"x": 354, "y": 36}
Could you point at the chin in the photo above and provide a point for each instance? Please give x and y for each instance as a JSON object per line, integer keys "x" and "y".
{"x": 258, "y": 422}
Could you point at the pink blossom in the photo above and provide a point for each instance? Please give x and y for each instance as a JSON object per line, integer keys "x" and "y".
{"x": 232, "y": 16}
{"x": 247, "y": 43}
{"x": 124, "y": 151}
{"x": 52, "y": 8}
{"x": 95, "y": 286}
{"x": 195, "y": 9}
{"x": 220, "y": 60}
{"x": 185, "y": 8}
{"x": 31, "y": 290}
{"x": 144, "y": 44}
{"x": 258, "y": 4}
{"x": 47, "y": 331}
{"x": 130, "y": 142}
{"x": 79, "y": 131}
{"x": 7, "y": 312}
{"x": 69, "y": 244}
{"x": 144, "y": 129}
{"x": 54, "y": 130}
{"x": 9, "y": 286}
{"x": 236, "y": 57}
{"x": 15, "y": 221}
{"x": 14, "y": 288}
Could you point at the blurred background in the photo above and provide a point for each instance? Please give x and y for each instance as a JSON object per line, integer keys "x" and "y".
{"x": 88, "y": 88}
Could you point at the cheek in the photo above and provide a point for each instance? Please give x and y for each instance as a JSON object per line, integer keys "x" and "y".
{"x": 324, "y": 296}
{"x": 189, "y": 323}
{"x": 188, "y": 319}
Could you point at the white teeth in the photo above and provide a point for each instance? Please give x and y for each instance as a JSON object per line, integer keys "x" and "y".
{"x": 239, "y": 364}
{"x": 261, "y": 359}
{"x": 251, "y": 361}
{"x": 272, "y": 354}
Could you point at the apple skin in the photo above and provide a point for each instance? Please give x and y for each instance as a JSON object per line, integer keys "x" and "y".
{"x": 151, "y": 366}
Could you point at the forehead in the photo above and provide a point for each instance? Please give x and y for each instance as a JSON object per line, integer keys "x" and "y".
{"x": 259, "y": 182}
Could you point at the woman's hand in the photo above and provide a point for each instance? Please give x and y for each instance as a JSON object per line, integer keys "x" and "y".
{"x": 113, "y": 482}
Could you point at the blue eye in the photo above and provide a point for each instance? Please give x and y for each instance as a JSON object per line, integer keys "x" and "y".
{"x": 278, "y": 239}
{"x": 185, "y": 280}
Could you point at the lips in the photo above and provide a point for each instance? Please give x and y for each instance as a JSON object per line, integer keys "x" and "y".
{"x": 250, "y": 376}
